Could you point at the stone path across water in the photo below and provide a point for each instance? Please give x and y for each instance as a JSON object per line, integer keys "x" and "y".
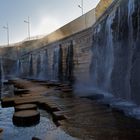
{"x": 79, "y": 117}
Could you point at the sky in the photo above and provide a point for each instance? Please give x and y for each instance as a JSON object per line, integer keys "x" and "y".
{"x": 45, "y": 16}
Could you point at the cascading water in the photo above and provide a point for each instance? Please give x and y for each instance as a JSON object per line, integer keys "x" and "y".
{"x": 57, "y": 64}
{"x": 43, "y": 74}
{"x": 131, "y": 8}
{"x": 103, "y": 58}
{"x": 21, "y": 68}
{"x": 69, "y": 64}
{"x": 38, "y": 67}
{"x": 1, "y": 77}
{"x": 46, "y": 75}
{"x": 134, "y": 22}
{"x": 31, "y": 66}
{"x": 18, "y": 68}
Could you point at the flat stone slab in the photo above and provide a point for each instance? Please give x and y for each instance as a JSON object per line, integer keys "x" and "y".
{"x": 28, "y": 100}
{"x": 51, "y": 107}
{"x": 1, "y": 130}
{"x": 58, "y": 116}
{"x": 26, "y": 118}
{"x": 1, "y": 133}
{"x": 64, "y": 85}
{"x": 26, "y": 107}
{"x": 7, "y": 102}
{"x": 6, "y": 82}
{"x": 21, "y": 91}
{"x": 66, "y": 89}
{"x": 35, "y": 138}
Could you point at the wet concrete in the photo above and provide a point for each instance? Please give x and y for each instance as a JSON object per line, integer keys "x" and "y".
{"x": 79, "y": 117}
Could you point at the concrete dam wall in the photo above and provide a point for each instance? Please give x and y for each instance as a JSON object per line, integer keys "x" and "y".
{"x": 102, "y": 59}
{"x": 63, "y": 60}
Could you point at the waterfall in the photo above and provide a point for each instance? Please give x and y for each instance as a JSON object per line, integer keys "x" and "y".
{"x": 57, "y": 64}
{"x": 45, "y": 65}
{"x": 31, "y": 66}
{"x": 43, "y": 74}
{"x": 38, "y": 67}
{"x": 109, "y": 51}
{"x": 69, "y": 64}
{"x": 18, "y": 68}
{"x": 102, "y": 63}
{"x": 134, "y": 41}
{"x": 1, "y": 77}
{"x": 21, "y": 68}
{"x": 131, "y": 8}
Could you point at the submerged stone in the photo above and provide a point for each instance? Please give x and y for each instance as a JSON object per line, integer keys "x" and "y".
{"x": 26, "y": 107}
{"x": 26, "y": 118}
{"x": 20, "y": 91}
{"x": 1, "y": 130}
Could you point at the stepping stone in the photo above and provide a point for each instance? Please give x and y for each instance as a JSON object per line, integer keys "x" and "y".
{"x": 57, "y": 88}
{"x": 7, "y": 102}
{"x": 6, "y": 82}
{"x": 26, "y": 118}
{"x": 18, "y": 86}
{"x": 52, "y": 84}
{"x": 27, "y": 100}
{"x": 94, "y": 97}
{"x": 64, "y": 85}
{"x": 35, "y": 138}
{"x": 20, "y": 91}
{"x": 26, "y": 107}
{"x": 58, "y": 116}
{"x": 66, "y": 89}
{"x": 51, "y": 107}
{"x": 1, "y": 130}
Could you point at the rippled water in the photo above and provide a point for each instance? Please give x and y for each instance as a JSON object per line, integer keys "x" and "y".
{"x": 44, "y": 130}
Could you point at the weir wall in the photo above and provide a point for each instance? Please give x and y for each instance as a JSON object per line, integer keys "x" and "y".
{"x": 103, "y": 58}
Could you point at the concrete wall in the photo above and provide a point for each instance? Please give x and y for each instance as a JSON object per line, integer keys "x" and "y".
{"x": 75, "y": 49}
